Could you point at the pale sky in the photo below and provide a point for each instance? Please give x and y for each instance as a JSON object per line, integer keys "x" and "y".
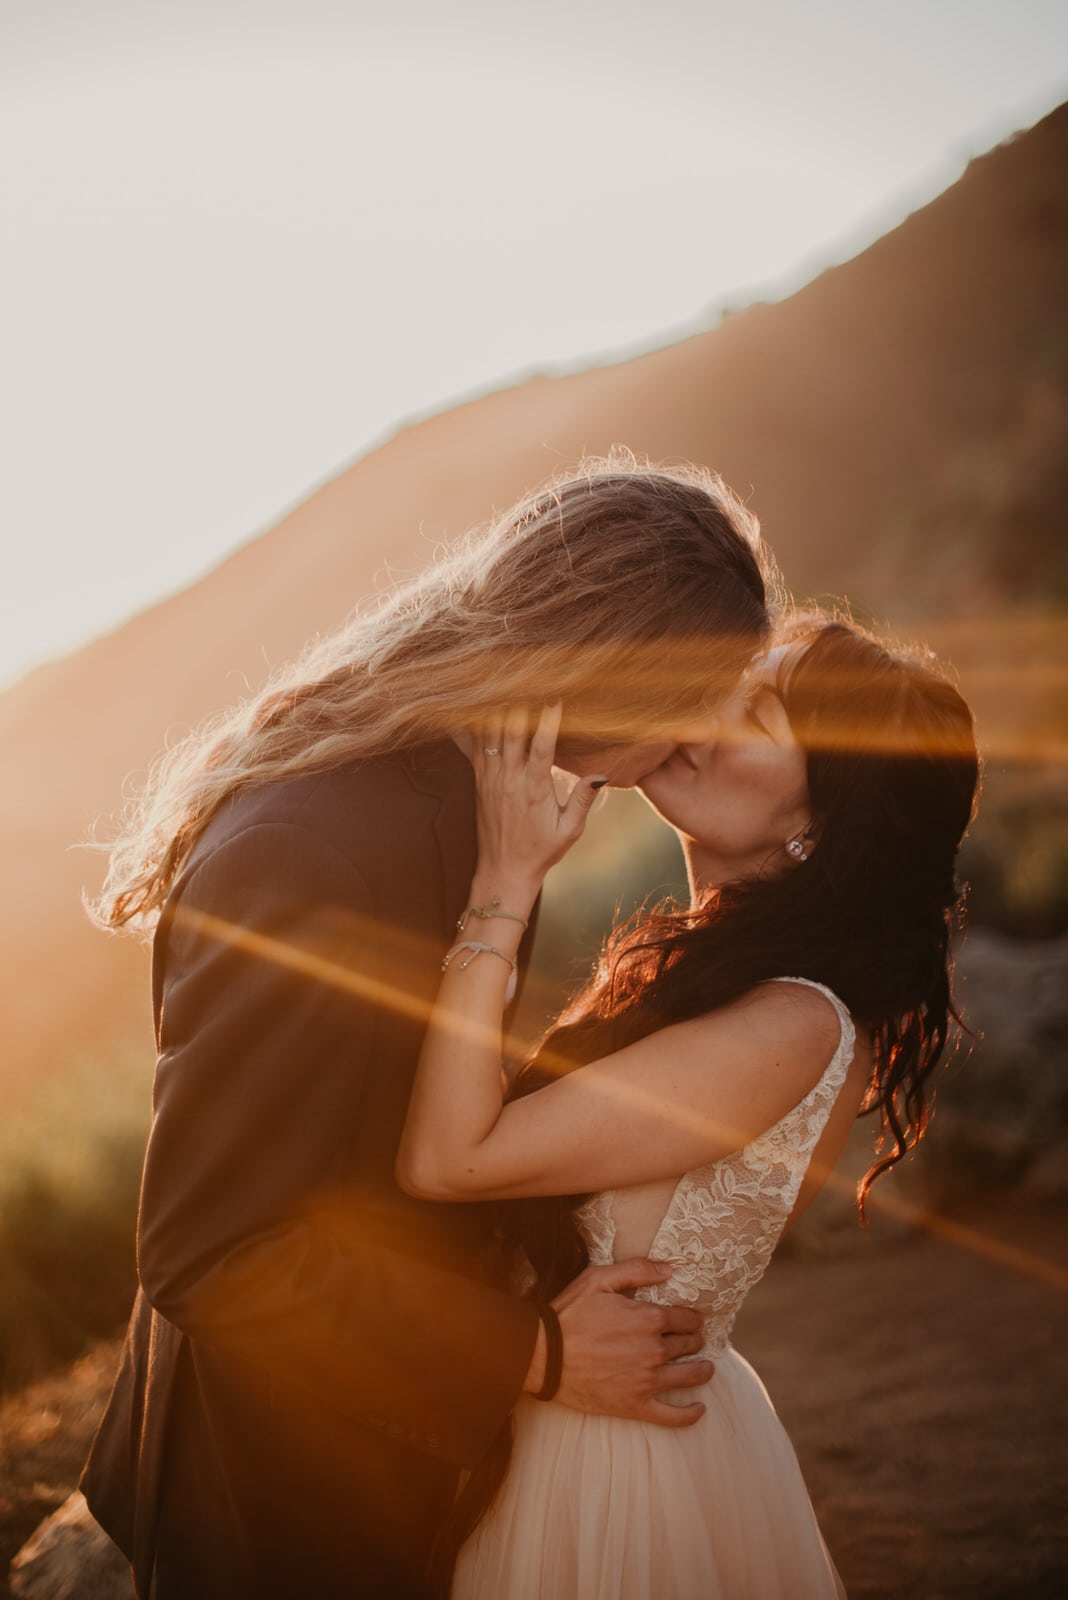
{"x": 243, "y": 239}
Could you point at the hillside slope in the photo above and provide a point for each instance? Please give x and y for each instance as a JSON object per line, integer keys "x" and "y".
{"x": 899, "y": 425}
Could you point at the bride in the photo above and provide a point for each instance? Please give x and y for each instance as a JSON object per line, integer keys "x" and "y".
{"x": 724, "y": 1051}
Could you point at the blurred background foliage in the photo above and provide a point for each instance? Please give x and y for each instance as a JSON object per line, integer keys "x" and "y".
{"x": 70, "y": 1166}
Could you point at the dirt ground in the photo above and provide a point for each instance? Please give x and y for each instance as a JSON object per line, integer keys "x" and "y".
{"x": 923, "y": 1383}
{"x": 925, "y": 1388}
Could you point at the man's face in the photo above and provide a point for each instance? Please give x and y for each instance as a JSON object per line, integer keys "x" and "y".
{"x": 625, "y": 765}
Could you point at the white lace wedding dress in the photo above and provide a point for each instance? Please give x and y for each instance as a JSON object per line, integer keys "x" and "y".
{"x": 599, "y": 1508}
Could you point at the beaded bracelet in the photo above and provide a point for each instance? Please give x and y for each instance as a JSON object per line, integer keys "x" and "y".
{"x": 476, "y": 949}
{"x": 487, "y": 912}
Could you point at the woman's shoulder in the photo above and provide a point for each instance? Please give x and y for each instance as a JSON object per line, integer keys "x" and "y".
{"x": 722, "y": 1079}
{"x": 784, "y": 1008}
{"x": 801, "y": 1005}
{"x": 786, "y": 1030}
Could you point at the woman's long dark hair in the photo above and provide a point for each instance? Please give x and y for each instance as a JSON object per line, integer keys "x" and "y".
{"x": 892, "y": 778}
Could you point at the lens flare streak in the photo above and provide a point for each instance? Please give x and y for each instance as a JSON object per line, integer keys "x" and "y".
{"x": 401, "y": 1002}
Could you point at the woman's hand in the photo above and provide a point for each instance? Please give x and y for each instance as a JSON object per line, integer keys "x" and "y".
{"x": 522, "y": 827}
{"x": 458, "y": 1096}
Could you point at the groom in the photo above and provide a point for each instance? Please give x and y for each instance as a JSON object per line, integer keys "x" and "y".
{"x": 314, "y": 1358}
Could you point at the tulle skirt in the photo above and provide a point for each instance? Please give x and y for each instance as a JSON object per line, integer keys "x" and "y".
{"x": 598, "y": 1508}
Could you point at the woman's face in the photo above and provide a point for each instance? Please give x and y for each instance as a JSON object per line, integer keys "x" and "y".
{"x": 739, "y": 799}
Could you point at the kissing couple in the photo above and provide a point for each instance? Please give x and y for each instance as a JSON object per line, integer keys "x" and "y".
{"x": 408, "y": 1327}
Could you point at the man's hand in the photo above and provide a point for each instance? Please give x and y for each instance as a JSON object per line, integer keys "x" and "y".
{"x": 616, "y": 1349}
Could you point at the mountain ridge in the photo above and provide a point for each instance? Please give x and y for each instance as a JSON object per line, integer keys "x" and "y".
{"x": 898, "y": 423}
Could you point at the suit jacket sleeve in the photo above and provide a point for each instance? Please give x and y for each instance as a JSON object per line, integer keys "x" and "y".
{"x": 251, "y": 1237}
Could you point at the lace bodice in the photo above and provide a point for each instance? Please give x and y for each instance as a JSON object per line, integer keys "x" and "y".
{"x": 725, "y": 1219}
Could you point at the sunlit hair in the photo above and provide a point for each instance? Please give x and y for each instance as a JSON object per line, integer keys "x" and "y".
{"x": 634, "y": 594}
{"x": 893, "y": 774}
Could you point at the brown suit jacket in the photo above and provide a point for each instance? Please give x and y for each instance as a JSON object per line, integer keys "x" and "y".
{"x": 313, "y": 1355}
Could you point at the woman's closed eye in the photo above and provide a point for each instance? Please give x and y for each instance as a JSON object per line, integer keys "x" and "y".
{"x": 760, "y": 710}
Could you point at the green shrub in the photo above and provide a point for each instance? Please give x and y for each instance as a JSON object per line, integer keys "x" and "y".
{"x": 70, "y": 1166}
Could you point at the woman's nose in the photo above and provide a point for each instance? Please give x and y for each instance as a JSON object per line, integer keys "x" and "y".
{"x": 733, "y": 724}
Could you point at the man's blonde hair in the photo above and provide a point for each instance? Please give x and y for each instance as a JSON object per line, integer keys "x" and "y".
{"x": 635, "y": 594}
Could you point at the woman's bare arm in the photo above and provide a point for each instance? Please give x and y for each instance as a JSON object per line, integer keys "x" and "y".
{"x": 660, "y": 1107}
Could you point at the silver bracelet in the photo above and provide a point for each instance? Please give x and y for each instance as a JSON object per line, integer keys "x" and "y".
{"x": 476, "y": 949}
{"x": 486, "y": 913}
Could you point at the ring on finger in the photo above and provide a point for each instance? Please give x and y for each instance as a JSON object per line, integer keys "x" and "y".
{"x": 490, "y": 750}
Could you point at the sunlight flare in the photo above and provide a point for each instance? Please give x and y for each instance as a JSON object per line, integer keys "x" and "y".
{"x": 393, "y": 996}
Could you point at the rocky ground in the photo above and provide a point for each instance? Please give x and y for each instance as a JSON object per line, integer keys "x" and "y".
{"x": 922, "y": 1378}
{"x": 44, "y": 1435}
